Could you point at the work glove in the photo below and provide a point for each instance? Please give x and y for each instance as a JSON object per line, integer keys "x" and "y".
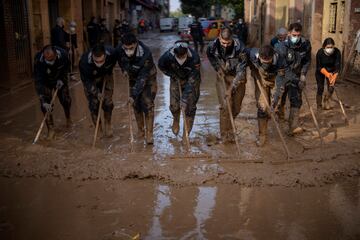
{"x": 48, "y": 107}
{"x": 99, "y": 96}
{"x": 302, "y": 82}
{"x": 131, "y": 101}
{"x": 325, "y": 73}
{"x": 332, "y": 78}
{"x": 59, "y": 84}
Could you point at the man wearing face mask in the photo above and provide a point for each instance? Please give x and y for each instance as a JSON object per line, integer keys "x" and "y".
{"x": 51, "y": 69}
{"x": 328, "y": 66}
{"x": 96, "y": 67}
{"x": 182, "y": 64}
{"x": 59, "y": 37}
{"x": 227, "y": 55}
{"x": 265, "y": 65}
{"x": 296, "y": 51}
{"x": 241, "y": 31}
{"x": 136, "y": 61}
{"x": 73, "y": 43}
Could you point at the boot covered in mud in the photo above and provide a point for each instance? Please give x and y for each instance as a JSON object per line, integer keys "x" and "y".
{"x": 327, "y": 102}
{"x": 108, "y": 127}
{"x": 149, "y": 118}
{"x": 294, "y": 127}
{"x": 176, "y": 123}
{"x": 319, "y": 102}
{"x": 50, "y": 127}
{"x": 139, "y": 116}
{"x": 189, "y": 125}
{"x": 262, "y": 123}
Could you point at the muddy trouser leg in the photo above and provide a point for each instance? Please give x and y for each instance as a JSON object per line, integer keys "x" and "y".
{"x": 190, "y": 110}
{"x": 279, "y": 97}
{"x": 262, "y": 113}
{"x": 65, "y": 99}
{"x": 147, "y": 106}
{"x": 108, "y": 104}
{"x": 235, "y": 100}
{"x": 175, "y": 104}
{"x": 320, "y": 79}
{"x": 46, "y": 98}
{"x": 295, "y": 96}
{"x": 93, "y": 102}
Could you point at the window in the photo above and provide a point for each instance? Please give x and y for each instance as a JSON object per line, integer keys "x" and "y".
{"x": 332, "y": 18}
{"x": 341, "y": 16}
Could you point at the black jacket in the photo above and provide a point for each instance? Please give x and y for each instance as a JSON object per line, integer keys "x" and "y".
{"x": 297, "y": 57}
{"x": 59, "y": 37}
{"x": 89, "y": 72}
{"x": 93, "y": 31}
{"x": 189, "y": 71}
{"x": 47, "y": 75}
{"x": 331, "y": 63}
{"x": 241, "y": 31}
{"x": 196, "y": 30}
{"x": 232, "y": 62}
{"x": 140, "y": 67}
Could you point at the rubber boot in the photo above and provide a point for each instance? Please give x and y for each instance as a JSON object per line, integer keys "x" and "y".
{"x": 262, "y": 123}
{"x": 294, "y": 127}
{"x": 189, "y": 125}
{"x": 326, "y": 102}
{"x": 139, "y": 116}
{"x": 50, "y": 127}
{"x": 319, "y": 102}
{"x": 149, "y": 118}
{"x": 108, "y": 127}
{"x": 176, "y": 123}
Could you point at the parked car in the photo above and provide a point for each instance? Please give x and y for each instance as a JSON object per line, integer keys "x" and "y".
{"x": 167, "y": 24}
{"x": 211, "y": 30}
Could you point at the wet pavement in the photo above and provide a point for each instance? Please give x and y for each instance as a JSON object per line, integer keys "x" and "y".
{"x": 208, "y": 193}
{"x": 53, "y": 209}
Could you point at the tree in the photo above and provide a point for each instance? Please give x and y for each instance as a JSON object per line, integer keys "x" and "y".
{"x": 177, "y": 13}
{"x": 197, "y": 8}
{"x": 238, "y": 6}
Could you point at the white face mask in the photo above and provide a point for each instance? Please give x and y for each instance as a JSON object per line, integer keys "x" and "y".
{"x": 50, "y": 62}
{"x": 329, "y": 51}
{"x": 181, "y": 61}
{"x": 294, "y": 39}
{"x": 72, "y": 29}
{"x": 129, "y": 52}
{"x": 99, "y": 65}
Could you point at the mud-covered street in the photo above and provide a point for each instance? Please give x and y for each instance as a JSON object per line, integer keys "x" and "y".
{"x": 64, "y": 189}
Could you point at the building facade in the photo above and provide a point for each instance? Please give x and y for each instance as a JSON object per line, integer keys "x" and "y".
{"x": 339, "y": 19}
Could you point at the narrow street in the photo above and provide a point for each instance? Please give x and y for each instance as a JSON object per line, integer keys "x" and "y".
{"x": 64, "y": 189}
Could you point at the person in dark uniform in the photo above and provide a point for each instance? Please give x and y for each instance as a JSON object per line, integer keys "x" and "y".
{"x": 93, "y": 32}
{"x": 227, "y": 55}
{"x": 241, "y": 31}
{"x": 196, "y": 32}
{"x": 265, "y": 65}
{"x": 136, "y": 61}
{"x": 125, "y": 27}
{"x": 96, "y": 67}
{"x": 59, "y": 37}
{"x": 328, "y": 66}
{"x": 51, "y": 69}
{"x": 105, "y": 35}
{"x": 182, "y": 64}
{"x": 296, "y": 52}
